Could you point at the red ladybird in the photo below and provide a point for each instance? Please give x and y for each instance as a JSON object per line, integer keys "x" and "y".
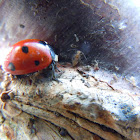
{"x": 28, "y": 56}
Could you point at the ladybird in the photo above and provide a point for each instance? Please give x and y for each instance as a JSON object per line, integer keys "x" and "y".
{"x": 28, "y": 56}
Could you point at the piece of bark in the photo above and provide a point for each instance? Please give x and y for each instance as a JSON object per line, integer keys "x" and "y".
{"x": 83, "y": 111}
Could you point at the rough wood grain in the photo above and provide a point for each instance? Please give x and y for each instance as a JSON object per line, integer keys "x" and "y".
{"x": 84, "y": 111}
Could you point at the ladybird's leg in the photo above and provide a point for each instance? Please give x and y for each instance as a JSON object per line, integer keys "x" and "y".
{"x": 55, "y": 67}
{"x": 53, "y": 71}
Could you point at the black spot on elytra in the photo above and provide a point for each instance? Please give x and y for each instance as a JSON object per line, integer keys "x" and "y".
{"x": 25, "y": 49}
{"x": 37, "y": 62}
{"x": 11, "y": 66}
{"x": 43, "y": 43}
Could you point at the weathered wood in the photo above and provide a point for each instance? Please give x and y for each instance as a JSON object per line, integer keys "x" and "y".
{"x": 84, "y": 111}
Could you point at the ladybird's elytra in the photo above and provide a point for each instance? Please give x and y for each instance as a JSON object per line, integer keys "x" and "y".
{"x": 28, "y": 56}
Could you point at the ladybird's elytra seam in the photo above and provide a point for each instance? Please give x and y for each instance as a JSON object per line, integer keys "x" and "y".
{"x": 37, "y": 62}
{"x": 11, "y": 66}
{"x": 25, "y": 49}
{"x": 42, "y": 42}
